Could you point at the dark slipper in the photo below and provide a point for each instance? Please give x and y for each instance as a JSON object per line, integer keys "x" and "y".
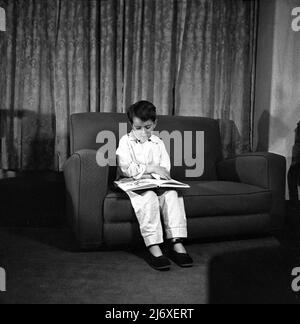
{"x": 159, "y": 263}
{"x": 183, "y": 260}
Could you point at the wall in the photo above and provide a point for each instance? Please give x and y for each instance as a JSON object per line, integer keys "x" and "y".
{"x": 277, "y": 102}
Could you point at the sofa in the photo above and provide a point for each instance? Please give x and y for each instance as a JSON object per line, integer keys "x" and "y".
{"x": 239, "y": 196}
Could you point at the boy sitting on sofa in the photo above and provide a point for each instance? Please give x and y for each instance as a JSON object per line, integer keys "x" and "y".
{"x": 141, "y": 154}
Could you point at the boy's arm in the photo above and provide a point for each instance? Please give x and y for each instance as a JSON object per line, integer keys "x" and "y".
{"x": 128, "y": 167}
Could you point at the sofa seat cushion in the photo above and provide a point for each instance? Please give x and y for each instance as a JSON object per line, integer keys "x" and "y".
{"x": 203, "y": 199}
{"x": 221, "y": 198}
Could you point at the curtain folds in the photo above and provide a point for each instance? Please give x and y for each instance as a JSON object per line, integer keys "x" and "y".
{"x": 58, "y": 57}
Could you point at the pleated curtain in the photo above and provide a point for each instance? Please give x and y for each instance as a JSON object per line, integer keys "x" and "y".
{"x": 59, "y": 57}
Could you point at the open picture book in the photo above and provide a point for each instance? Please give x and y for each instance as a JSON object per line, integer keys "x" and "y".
{"x": 129, "y": 184}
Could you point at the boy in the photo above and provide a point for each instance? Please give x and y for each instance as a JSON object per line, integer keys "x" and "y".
{"x": 143, "y": 155}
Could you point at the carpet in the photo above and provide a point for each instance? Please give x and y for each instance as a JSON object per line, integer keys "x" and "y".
{"x": 43, "y": 268}
{"x": 257, "y": 276}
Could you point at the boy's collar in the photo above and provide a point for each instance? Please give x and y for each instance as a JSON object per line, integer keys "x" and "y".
{"x": 153, "y": 138}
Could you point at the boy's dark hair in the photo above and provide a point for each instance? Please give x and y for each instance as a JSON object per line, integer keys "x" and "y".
{"x": 144, "y": 110}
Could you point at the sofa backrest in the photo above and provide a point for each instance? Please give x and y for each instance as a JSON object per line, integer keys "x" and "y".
{"x": 85, "y": 128}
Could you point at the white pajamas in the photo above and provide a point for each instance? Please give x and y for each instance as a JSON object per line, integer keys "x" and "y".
{"x": 133, "y": 158}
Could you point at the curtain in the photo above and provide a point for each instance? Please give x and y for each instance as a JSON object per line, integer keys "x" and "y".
{"x": 58, "y": 57}
{"x": 27, "y": 107}
{"x": 216, "y": 43}
{"x": 76, "y": 63}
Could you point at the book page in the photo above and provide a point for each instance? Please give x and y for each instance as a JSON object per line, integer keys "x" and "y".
{"x": 132, "y": 185}
{"x": 172, "y": 181}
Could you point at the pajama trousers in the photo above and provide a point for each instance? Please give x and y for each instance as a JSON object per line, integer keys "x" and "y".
{"x": 150, "y": 205}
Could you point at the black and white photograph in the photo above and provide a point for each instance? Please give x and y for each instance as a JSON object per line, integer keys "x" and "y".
{"x": 149, "y": 154}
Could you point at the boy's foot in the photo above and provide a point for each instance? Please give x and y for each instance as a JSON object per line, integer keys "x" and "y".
{"x": 179, "y": 255}
{"x": 157, "y": 260}
{"x": 159, "y": 263}
{"x": 155, "y": 250}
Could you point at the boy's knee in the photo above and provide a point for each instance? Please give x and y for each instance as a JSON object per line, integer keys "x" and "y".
{"x": 149, "y": 193}
{"x": 151, "y": 197}
{"x": 171, "y": 193}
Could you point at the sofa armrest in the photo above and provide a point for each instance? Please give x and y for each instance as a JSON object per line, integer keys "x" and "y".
{"x": 86, "y": 188}
{"x": 265, "y": 170}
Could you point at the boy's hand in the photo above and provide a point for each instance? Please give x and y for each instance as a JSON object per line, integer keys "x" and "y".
{"x": 146, "y": 176}
{"x": 162, "y": 172}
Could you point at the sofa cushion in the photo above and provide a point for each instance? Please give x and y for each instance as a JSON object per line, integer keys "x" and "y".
{"x": 203, "y": 199}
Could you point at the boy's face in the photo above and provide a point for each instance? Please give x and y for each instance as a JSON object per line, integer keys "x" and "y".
{"x": 143, "y": 130}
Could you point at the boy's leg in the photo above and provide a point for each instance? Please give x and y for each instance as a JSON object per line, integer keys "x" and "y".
{"x": 146, "y": 207}
{"x": 176, "y": 226}
{"x": 173, "y": 211}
